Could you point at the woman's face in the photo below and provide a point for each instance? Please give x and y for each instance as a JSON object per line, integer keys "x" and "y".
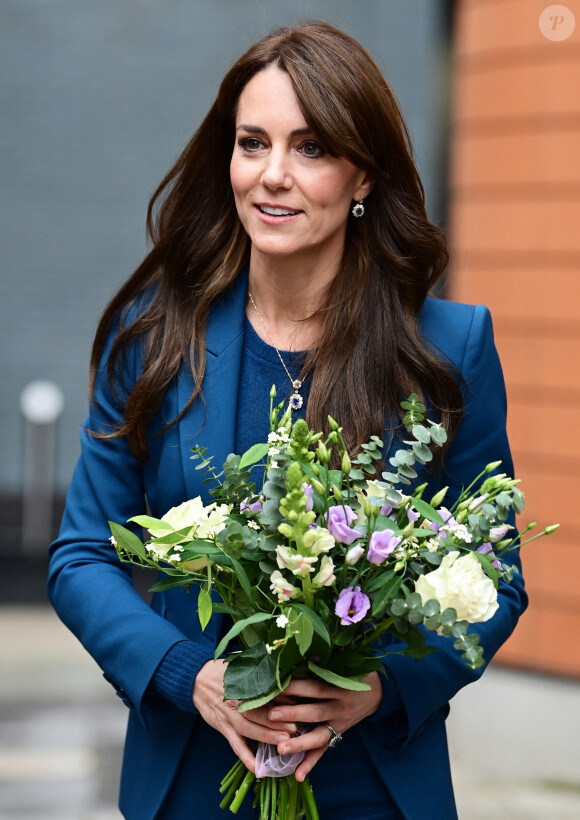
{"x": 292, "y": 197}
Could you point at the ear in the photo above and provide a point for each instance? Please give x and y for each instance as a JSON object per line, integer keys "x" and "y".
{"x": 364, "y": 188}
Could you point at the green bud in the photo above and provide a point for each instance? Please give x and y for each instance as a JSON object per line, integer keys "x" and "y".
{"x": 438, "y": 497}
{"x": 318, "y": 486}
{"x": 337, "y": 493}
{"x": 286, "y": 530}
{"x": 294, "y": 477}
{"x": 322, "y": 453}
{"x": 461, "y": 516}
{"x": 493, "y": 466}
{"x": 315, "y": 469}
{"x": 399, "y": 566}
{"x": 333, "y": 424}
{"x": 408, "y": 531}
{"x": 549, "y": 530}
{"x": 345, "y": 464}
{"x": 273, "y": 392}
{"x": 367, "y": 507}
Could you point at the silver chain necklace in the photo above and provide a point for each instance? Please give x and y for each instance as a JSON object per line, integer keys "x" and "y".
{"x": 296, "y": 401}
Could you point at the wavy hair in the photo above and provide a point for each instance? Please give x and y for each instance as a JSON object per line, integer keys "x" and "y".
{"x": 392, "y": 257}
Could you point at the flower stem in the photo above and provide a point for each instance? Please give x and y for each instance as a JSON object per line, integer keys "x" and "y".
{"x": 242, "y": 792}
{"x": 233, "y": 786}
{"x": 308, "y": 800}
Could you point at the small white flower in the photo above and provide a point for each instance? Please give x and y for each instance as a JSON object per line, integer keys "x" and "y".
{"x": 274, "y": 464}
{"x": 282, "y": 621}
{"x": 461, "y": 532}
{"x": 272, "y": 438}
{"x": 273, "y": 451}
{"x": 268, "y": 649}
{"x": 178, "y": 548}
{"x": 253, "y": 525}
{"x": 175, "y": 558}
{"x": 112, "y": 540}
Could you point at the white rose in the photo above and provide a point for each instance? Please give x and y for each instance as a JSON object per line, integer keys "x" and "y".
{"x": 201, "y": 521}
{"x": 460, "y": 583}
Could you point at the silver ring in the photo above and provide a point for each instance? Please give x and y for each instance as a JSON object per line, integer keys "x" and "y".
{"x": 335, "y": 737}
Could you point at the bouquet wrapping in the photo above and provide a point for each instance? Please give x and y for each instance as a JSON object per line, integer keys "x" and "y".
{"x": 325, "y": 565}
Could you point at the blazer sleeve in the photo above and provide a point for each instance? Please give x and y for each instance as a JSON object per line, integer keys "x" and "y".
{"x": 88, "y": 586}
{"x": 427, "y": 685}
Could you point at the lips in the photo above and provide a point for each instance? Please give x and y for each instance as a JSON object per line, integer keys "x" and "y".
{"x": 272, "y": 210}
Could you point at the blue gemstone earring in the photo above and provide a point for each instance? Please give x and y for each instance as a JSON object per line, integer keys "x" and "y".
{"x": 358, "y": 209}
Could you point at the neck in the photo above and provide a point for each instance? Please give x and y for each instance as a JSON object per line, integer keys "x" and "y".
{"x": 287, "y": 296}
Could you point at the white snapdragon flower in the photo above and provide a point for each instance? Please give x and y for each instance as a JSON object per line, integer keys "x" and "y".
{"x": 317, "y": 540}
{"x": 282, "y": 588}
{"x": 300, "y": 565}
{"x": 460, "y": 583}
{"x": 325, "y": 576}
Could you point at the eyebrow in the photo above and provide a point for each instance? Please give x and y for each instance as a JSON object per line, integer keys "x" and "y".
{"x": 257, "y": 129}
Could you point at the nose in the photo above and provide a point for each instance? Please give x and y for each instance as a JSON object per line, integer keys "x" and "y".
{"x": 276, "y": 173}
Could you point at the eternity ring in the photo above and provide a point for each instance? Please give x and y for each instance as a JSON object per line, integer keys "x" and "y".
{"x": 335, "y": 737}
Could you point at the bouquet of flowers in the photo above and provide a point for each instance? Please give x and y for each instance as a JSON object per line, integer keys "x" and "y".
{"x": 321, "y": 558}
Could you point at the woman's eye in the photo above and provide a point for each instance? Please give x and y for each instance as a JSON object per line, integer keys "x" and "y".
{"x": 311, "y": 149}
{"x": 250, "y": 144}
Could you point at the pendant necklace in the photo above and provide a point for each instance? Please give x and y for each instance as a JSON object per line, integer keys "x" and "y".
{"x": 296, "y": 401}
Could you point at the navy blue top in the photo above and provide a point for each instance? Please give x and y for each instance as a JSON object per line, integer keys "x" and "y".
{"x": 334, "y": 775}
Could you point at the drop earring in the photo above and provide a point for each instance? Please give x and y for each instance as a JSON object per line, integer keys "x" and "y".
{"x": 358, "y": 209}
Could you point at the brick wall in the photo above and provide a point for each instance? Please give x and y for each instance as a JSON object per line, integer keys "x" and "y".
{"x": 515, "y": 231}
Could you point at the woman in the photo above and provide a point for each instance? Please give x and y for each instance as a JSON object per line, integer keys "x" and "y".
{"x": 290, "y": 245}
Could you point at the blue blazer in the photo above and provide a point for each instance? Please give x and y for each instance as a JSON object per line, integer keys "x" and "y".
{"x": 93, "y": 594}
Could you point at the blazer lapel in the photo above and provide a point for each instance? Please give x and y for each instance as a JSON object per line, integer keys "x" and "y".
{"x": 211, "y": 421}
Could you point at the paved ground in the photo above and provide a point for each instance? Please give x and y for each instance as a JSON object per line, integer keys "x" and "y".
{"x": 515, "y": 738}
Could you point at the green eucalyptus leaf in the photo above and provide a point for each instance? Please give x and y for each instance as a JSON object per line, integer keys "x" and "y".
{"x": 421, "y": 433}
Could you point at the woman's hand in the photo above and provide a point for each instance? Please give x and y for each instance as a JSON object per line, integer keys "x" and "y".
{"x": 341, "y": 708}
{"x": 208, "y": 698}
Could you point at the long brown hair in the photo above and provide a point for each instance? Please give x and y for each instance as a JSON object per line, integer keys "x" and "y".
{"x": 370, "y": 352}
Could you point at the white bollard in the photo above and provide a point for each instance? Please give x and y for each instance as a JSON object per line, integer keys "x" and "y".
{"x": 41, "y": 403}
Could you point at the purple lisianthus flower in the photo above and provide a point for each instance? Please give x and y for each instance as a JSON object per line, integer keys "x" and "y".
{"x": 255, "y": 506}
{"x": 352, "y": 606}
{"x": 447, "y": 518}
{"x": 338, "y": 521}
{"x": 487, "y": 550}
{"x": 308, "y": 493}
{"x": 391, "y": 513}
{"x": 381, "y": 545}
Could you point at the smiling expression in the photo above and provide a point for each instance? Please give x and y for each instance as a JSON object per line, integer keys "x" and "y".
{"x": 292, "y": 197}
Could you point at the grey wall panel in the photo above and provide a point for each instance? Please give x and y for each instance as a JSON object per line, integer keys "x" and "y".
{"x": 96, "y": 100}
